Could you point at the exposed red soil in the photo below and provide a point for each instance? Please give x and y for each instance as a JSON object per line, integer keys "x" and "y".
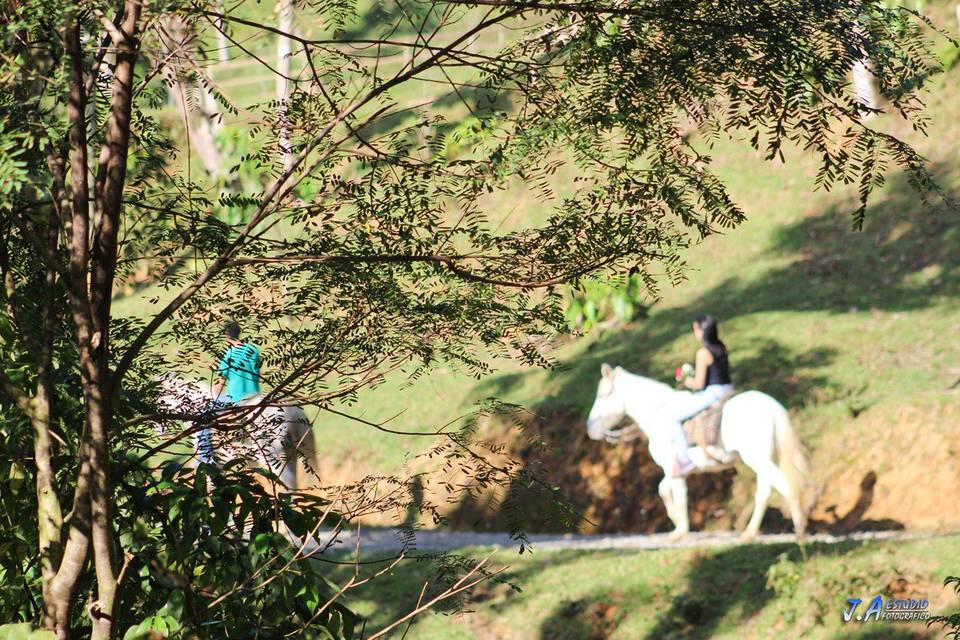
{"x": 887, "y": 469}
{"x": 890, "y": 467}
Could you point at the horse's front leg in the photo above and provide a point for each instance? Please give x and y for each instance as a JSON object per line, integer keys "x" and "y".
{"x": 681, "y": 519}
{"x": 673, "y": 491}
{"x": 664, "y": 490}
{"x": 759, "y": 508}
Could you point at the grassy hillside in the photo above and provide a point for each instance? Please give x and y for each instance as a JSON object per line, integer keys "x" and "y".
{"x": 854, "y": 332}
{"x": 748, "y": 591}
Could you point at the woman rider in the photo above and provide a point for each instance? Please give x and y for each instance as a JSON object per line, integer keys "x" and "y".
{"x": 710, "y": 383}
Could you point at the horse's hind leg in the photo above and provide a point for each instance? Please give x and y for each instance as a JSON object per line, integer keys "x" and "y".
{"x": 307, "y": 455}
{"x": 288, "y": 475}
{"x": 769, "y": 473}
{"x": 287, "y": 459}
{"x": 791, "y": 494}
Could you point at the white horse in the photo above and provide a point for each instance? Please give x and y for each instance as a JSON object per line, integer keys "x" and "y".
{"x": 273, "y": 435}
{"x": 755, "y": 428}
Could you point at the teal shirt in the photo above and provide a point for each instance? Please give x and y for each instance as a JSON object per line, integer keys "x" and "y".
{"x": 240, "y": 367}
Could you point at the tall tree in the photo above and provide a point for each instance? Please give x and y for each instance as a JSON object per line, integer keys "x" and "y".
{"x": 389, "y": 259}
{"x": 284, "y": 50}
{"x": 190, "y": 90}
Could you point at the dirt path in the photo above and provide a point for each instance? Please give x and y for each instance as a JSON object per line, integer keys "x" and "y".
{"x": 395, "y": 540}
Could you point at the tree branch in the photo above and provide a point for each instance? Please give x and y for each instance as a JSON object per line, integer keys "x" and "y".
{"x": 277, "y": 193}
{"x": 16, "y": 395}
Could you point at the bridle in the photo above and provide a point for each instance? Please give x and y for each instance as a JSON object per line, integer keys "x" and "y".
{"x": 625, "y": 434}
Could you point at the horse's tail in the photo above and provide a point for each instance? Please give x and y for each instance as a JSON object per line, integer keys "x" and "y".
{"x": 792, "y": 461}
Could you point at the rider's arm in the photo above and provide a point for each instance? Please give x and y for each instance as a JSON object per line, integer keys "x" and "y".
{"x": 699, "y": 379}
{"x": 223, "y": 368}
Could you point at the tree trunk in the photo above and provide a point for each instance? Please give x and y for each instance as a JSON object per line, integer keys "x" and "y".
{"x": 103, "y": 611}
{"x": 864, "y": 86}
{"x": 49, "y": 513}
{"x": 223, "y": 45}
{"x": 284, "y": 49}
{"x": 200, "y": 127}
{"x": 99, "y": 387}
{"x": 199, "y": 130}
{"x": 63, "y": 589}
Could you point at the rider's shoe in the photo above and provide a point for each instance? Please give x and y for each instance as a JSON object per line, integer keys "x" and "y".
{"x": 683, "y": 468}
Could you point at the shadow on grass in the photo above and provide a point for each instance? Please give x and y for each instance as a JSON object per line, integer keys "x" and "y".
{"x": 420, "y": 578}
{"x": 724, "y": 589}
{"x": 594, "y": 618}
{"x": 904, "y": 259}
{"x": 726, "y": 584}
{"x": 719, "y": 590}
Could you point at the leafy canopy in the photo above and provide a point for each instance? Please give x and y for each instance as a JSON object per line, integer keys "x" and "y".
{"x": 352, "y": 233}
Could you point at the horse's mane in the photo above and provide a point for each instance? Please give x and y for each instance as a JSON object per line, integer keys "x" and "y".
{"x": 650, "y": 384}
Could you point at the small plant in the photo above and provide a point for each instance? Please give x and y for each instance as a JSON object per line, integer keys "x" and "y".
{"x": 783, "y": 578}
{"x": 951, "y": 623}
{"x": 596, "y": 302}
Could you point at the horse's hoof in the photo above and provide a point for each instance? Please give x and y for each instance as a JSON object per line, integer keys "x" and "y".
{"x": 748, "y": 536}
{"x": 677, "y": 534}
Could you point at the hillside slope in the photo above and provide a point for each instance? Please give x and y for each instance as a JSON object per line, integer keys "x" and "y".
{"x": 855, "y": 332}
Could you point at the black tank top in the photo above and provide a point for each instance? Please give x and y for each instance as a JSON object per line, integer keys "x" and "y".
{"x": 719, "y": 370}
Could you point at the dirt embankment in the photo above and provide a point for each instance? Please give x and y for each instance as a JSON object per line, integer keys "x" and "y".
{"x": 892, "y": 467}
{"x": 886, "y": 469}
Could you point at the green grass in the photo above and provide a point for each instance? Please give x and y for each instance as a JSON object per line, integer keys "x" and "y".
{"x": 746, "y": 591}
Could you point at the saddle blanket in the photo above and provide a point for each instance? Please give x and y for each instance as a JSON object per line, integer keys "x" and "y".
{"x": 703, "y": 429}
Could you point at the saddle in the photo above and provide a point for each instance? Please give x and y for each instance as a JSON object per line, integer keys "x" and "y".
{"x": 703, "y": 429}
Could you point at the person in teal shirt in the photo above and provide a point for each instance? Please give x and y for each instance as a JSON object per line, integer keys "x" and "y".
{"x": 239, "y": 372}
{"x": 239, "y": 368}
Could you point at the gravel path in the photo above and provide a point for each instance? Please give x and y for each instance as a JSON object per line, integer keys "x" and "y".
{"x": 393, "y": 540}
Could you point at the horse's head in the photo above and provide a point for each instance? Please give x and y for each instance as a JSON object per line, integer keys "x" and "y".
{"x": 609, "y": 408}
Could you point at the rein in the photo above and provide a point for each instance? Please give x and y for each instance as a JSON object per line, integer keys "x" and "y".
{"x": 630, "y": 432}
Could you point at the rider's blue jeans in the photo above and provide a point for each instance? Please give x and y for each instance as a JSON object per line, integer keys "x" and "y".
{"x": 204, "y": 441}
{"x": 690, "y": 406}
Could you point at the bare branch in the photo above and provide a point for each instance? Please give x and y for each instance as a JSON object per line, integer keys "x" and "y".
{"x": 463, "y": 584}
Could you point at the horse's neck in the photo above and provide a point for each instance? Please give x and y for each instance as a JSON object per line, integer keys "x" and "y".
{"x": 645, "y": 398}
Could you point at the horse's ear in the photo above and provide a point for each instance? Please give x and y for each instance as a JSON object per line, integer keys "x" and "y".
{"x": 606, "y": 370}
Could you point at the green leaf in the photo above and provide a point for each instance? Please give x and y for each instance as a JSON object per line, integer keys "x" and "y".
{"x": 25, "y": 631}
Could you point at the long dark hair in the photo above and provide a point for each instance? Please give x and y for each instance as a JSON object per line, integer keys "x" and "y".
{"x": 711, "y": 337}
